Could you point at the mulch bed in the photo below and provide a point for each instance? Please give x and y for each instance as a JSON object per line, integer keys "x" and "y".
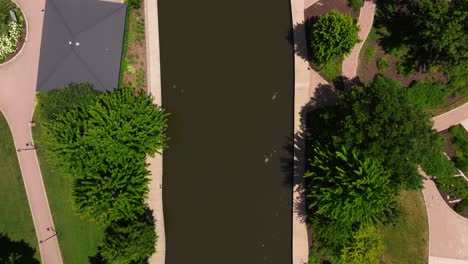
{"x": 324, "y": 7}
{"x": 367, "y": 71}
{"x": 136, "y": 50}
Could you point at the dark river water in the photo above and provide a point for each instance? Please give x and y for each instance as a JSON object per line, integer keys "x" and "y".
{"x": 227, "y": 77}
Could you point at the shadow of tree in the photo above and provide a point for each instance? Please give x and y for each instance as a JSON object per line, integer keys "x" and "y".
{"x": 297, "y": 146}
{"x": 299, "y": 37}
{"x": 18, "y": 252}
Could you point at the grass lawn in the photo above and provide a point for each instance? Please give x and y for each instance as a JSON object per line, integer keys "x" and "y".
{"x": 332, "y": 70}
{"x": 15, "y": 217}
{"x": 78, "y": 237}
{"x": 407, "y": 240}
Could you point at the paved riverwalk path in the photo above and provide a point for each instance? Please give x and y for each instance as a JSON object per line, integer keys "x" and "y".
{"x": 17, "y": 101}
{"x": 451, "y": 118}
{"x": 366, "y": 18}
{"x": 448, "y": 231}
{"x": 155, "y": 197}
{"x": 306, "y": 82}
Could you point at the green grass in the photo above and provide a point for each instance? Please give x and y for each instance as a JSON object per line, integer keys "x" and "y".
{"x": 332, "y": 70}
{"x": 439, "y": 111}
{"x": 78, "y": 237}
{"x": 15, "y": 214}
{"x": 407, "y": 240}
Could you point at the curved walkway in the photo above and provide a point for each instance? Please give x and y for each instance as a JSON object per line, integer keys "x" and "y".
{"x": 366, "y": 18}
{"x": 17, "y": 100}
{"x": 451, "y": 118}
{"x": 448, "y": 231}
{"x": 155, "y": 197}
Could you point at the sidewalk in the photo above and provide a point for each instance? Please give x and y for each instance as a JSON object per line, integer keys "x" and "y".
{"x": 155, "y": 197}
{"x": 448, "y": 231}
{"x": 17, "y": 100}
{"x": 366, "y": 18}
{"x": 451, "y": 118}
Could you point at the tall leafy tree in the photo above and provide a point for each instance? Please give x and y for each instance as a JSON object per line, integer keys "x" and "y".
{"x": 128, "y": 242}
{"x": 379, "y": 121}
{"x": 333, "y": 36}
{"x": 440, "y": 34}
{"x": 103, "y": 146}
{"x": 364, "y": 248}
{"x": 348, "y": 188}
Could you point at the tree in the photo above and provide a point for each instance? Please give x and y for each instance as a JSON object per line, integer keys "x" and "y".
{"x": 344, "y": 187}
{"x": 333, "y": 36}
{"x": 440, "y": 31}
{"x": 128, "y": 241}
{"x": 365, "y": 247}
{"x": 379, "y": 121}
{"x": 57, "y": 102}
{"x": 103, "y": 146}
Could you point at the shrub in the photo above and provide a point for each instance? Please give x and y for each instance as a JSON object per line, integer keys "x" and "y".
{"x": 58, "y": 102}
{"x": 460, "y": 144}
{"x": 344, "y": 186}
{"x": 364, "y": 248}
{"x": 382, "y": 64}
{"x": 370, "y": 53}
{"x": 128, "y": 242}
{"x": 104, "y": 147}
{"x": 429, "y": 93}
{"x": 404, "y": 69}
{"x": 135, "y": 4}
{"x": 356, "y": 4}
{"x": 333, "y": 36}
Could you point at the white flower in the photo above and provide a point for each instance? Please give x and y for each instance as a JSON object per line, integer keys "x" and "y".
{"x": 9, "y": 42}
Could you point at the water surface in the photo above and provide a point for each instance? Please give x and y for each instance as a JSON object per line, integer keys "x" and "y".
{"x": 227, "y": 76}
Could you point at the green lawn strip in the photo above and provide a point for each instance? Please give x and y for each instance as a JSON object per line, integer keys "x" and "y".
{"x": 15, "y": 217}
{"x": 442, "y": 110}
{"x": 331, "y": 70}
{"x": 368, "y": 50}
{"x": 78, "y": 238}
{"x": 124, "y": 60}
{"x": 407, "y": 240}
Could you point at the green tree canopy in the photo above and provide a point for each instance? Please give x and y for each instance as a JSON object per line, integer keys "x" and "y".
{"x": 364, "y": 248}
{"x": 348, "y": 188}
{"x": 128, "y": 242}
{"x": 333, "y": 36}
{"x": 103, "y": 146}
{"x": 379, "y": 121}
{"x": 440, "y": 34}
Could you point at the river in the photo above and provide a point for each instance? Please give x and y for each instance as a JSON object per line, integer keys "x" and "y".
{"x": 227, "y": 80}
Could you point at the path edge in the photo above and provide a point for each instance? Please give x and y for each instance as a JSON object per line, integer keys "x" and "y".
{"x": 155, "y": 196}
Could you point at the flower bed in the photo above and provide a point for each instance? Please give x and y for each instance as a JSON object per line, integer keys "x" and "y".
{"x": 12, "y": 33}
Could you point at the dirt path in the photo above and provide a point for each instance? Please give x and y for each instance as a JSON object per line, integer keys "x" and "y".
{"x": 366, "y": 18}
{"x": 17, "y": 100}
{"x": 451, "y": 118}
{"x": 448, "y": 231}
{"x": 154, "y": 201}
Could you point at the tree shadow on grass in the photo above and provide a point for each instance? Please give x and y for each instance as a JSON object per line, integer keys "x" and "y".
{"x": 18, "y": 252}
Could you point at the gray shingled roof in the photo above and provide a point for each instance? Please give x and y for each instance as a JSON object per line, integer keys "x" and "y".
{"x": 81, "y": 42}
